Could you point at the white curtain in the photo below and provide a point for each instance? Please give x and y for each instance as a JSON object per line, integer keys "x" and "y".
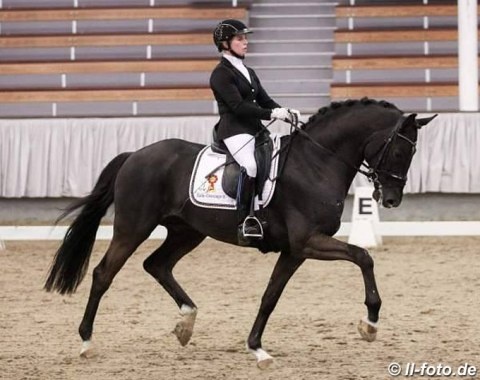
{"x": 56, "y": 158}
{"x": 64, "y": 157}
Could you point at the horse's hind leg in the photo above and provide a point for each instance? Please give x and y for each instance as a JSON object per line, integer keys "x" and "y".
{"x": 121, "y": 248}
{"x": 181, "y": 239}
{"x": 283, "y": 271}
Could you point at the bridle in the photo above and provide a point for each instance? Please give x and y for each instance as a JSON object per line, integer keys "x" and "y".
{"x": 370, "y": 171}
{"x": 375, "y": 169}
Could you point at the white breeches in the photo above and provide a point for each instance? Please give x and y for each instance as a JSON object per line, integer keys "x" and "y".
{"x": 242, "y": 148}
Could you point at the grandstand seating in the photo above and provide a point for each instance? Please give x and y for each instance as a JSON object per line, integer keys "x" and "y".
{"x": 397, "y": 10}
{"x": 387, "y": 90}
{"x": 394, "y": 62}
{"x": 161, "y": 56}
{"x": 126, "y": 13}
{"x": 406, "y": 53}
{"x": 91, "y": 54}
{"x": 195, "y": 38}
{"x": 399, "y": 35}
{"x": 294, "y": 63}
{"x": 157, "y": 65}
{"x": 99, "y": 95}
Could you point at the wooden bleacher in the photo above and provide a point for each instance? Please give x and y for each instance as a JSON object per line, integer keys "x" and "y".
{"x": 390, "y": 59}
{"x": 75, "y": 40}
{"x": 394, "y": 62}
{"x": 139, "y": 66}
{"x": 386, "y": 90}
{"x": 399, "y": 10}
{"x": 398, "y": 35}
{"x": 89, "y": 67}
{"x": 100, "y": 95}
{"x": 125, "y": 94}
{"x": 137, "y": 13}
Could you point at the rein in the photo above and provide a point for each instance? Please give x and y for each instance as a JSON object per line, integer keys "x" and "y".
{"x": 370, "y": 171}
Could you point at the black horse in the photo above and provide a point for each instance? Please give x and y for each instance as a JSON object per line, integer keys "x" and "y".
{"x": 150, "y": 187}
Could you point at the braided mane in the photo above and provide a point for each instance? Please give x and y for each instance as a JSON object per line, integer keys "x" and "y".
{"x": 334, "y": 106}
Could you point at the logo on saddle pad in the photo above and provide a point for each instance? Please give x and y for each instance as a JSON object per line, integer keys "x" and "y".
{"x": 211, "y": 179}
{"x": 207, "y": 184}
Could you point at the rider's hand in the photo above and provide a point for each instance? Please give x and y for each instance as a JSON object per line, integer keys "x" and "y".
{"x": 281, "y": 113}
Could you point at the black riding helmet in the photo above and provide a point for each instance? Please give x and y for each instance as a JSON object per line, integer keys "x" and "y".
{"x": 226, "y": 30}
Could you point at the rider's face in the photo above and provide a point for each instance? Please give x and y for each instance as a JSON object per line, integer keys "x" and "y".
{"x": 239, "y": 44}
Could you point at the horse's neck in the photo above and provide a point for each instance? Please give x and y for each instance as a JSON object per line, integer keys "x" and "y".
{"x": 323, "y": 167}
{"x": 347, "y": 135}
{"x": 337, "y": 154}
{"x": 346, "y": 142}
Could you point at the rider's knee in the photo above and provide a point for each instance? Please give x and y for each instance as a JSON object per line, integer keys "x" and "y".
{"x": 251, "y": 169}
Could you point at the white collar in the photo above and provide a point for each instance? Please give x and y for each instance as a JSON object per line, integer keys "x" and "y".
{"x": 238, "y": 64}
{"x": 234, "y": 60}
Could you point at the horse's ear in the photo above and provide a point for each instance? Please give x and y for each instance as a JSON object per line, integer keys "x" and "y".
{"x": 424, "y": 121}
{"x": 409, "y": 120}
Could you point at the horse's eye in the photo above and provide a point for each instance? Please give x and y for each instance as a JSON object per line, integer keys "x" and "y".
{"x": 397, "y": 154}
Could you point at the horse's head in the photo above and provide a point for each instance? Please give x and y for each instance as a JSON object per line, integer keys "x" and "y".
{"x": 389, "y": 158}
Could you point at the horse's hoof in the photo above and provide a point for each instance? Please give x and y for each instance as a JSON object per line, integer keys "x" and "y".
{"x": 265, "y": 363}
{"x": 183, "y": 332}
{"x": 87, "y": 350}
{"x": 264, "y": 360}
{"x": 184, "y": 329}
{"x": 368, "y": 330}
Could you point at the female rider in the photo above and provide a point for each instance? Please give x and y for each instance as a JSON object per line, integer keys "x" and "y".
{"x": 242, "y": 104}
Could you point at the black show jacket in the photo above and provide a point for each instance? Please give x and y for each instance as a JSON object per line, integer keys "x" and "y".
{"x": 241, "y": 104}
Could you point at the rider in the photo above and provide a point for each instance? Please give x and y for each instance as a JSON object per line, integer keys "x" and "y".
{"x": 242, "y": 104}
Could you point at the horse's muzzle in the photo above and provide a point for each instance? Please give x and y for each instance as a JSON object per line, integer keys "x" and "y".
{"x": 390, "y": 198}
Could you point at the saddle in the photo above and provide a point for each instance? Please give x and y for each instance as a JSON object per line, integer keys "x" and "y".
{"x": 263, "y": 158}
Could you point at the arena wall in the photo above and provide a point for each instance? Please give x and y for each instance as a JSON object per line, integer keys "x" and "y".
{"x": 47, "y": 162}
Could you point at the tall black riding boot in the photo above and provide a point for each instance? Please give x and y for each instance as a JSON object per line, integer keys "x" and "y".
{"x": 249, "y": 227}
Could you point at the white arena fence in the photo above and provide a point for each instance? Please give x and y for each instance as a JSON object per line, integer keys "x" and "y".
{"x": 466, "y": 228}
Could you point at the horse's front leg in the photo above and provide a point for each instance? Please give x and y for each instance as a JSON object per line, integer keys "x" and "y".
{"x": 322, "y": 247}
{"x": 283, "y": 271}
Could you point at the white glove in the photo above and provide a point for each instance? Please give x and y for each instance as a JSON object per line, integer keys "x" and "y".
{"x": 285, "y": 114}
{"x": 280, "y": 113}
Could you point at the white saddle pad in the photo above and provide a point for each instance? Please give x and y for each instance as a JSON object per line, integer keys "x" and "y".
{"x": 208, "y": 192}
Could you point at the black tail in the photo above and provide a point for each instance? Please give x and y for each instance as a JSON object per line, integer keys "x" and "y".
{"x": 71, "y": 260}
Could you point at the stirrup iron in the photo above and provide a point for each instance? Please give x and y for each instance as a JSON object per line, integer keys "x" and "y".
{"x": 257, "y": 222}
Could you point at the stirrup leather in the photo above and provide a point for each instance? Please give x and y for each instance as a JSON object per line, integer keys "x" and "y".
{"x": 257, "y": 222}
